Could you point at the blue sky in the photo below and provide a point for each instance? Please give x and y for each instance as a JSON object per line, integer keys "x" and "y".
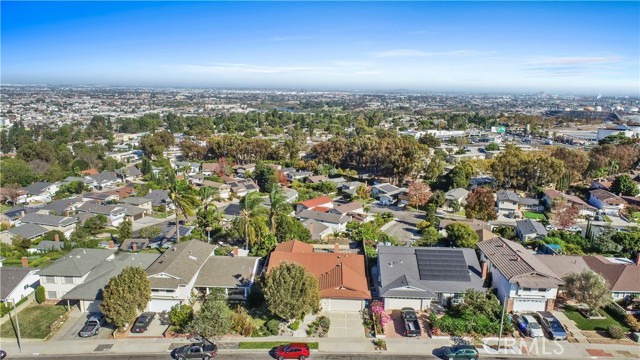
{"x": 579, "y": 47}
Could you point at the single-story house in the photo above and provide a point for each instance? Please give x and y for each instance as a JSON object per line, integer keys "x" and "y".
{"x": 337, "y": 222}
{"x": 317, "y": 229}
{"x": 316, "y": 179}
{"x": 141, "y": 202}
{"x": 242, "y": 187}
{"x": 25, "y": 231}
{"x": 552, "y": 197}
{"x": 530, "y": 229}
{"x": 67, "y": 225}
{"x": 224, "y": 190}
{"x": 528, "y": 204}
{"x": 416, "y": 276}
{"x": 341, "y": 276}
{"x": 46, "y": 245}
{"x": 105, "y": 179}
{"x": 209, "y": 169}
{"x": 458, "y": 195}
{"x": 299, "y": 175}
{"x": 17, "y": 282}
{"x": 234, "y": 274}
{"x": 607, "y": 202}
{"x": 160, "y": 198}
{"x": 349, "y": 189}
{"x": 348, "y": 208}
{"x": 114, "y": 213}
{"x": 473, "y": 223}
{"x": 64, "y": 207}
{"x": 134, "y": 244}
{"x": 322, "y": 202}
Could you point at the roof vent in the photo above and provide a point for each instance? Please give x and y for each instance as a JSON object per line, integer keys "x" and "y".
{"x": 193, "y": 258}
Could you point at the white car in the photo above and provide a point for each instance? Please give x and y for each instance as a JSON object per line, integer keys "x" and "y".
{"x": 530, "y": 326}
{"x": 550, "y": 227}
{"x": 573, "y": 228}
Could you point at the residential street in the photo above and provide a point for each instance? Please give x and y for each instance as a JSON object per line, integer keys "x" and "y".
{"x": 403, "y": 228}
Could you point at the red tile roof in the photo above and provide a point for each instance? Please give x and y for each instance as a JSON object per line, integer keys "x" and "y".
{"x": 339, "y": 275}
{"x": 89, "y": 172}
{"x": 311, "y": 203}
{"x": 323, "y": 209}
{"x": 294, "y": 246}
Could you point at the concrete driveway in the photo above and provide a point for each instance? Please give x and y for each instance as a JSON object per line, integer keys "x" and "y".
{"x": 74, "y": 324}
{"x": 156, "y": 329}
{"x": 344, "y": 324}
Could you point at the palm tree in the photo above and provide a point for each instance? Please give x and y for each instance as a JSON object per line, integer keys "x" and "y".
{"x": 278, "y": 207}
{"x": 251, "y": 218}
{"x": 184, "y": 202}
{"x": 206, "y": 195}
{"x": 613, "y": 167}
{"x": 601, "y": 173}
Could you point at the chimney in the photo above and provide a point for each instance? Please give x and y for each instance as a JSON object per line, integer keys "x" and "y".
{"x": 25, "y": 262}
{"x": 56, "y": 237}
{"x": 234, "y": 253}
{"x": 336, "y": 248}
{"x": 134, "y": 247}
{"x": 111, "y": 244}
{"x": 485, "y": 269}
{"x": 66, "y": 213}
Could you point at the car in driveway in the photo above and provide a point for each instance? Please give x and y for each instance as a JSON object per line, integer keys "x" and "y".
{"x": 467, "y": 352}
{"x": 529, "y": 326}
{"x": 573, "y": 228}
{"x": 292, "y": 351}
{"x": 201, "y": 350}
{"x": 411, "y": 322}
{"x": 551, "y": 325}
{"x": 92, "y": 326}
{"x": 142, "y": 322}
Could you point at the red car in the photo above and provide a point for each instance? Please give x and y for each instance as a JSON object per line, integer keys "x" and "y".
{"x": 292, "y": 351}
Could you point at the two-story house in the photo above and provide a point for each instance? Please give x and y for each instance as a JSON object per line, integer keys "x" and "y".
{"x": 173, "y": 275}
{"x": 521, "y": 279}
{"x": 530, "y": 229}
{"x": 71, "y": 270}
{"x": 105, "y": 179}
{"x": 554, "y": 197}
{"x": 507, "y": 203}
{"x": 222, "y": 190}
{"x": 337, "y": 222}
{"x": 386, "y": 193}
{"x": 114, "y": 213}
{"x": 39, "y": 192}
{"x": 17, "y": 282}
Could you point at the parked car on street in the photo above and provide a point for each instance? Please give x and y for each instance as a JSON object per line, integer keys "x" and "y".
{"x": 411, "y": 322}
{"x": 292, "y": 351}
{"x": 142, "y": 322}
{"x": 201, "y": 350}
{"x": 529, "y": 326}
{"x": 550, "y": 227}
{"x": 3, "y": 354}
{"x": 92, "y": 325}
{"x": 573, "y": 228}
{"x": 551, "y": 326}
{"x": 461, "y": 352}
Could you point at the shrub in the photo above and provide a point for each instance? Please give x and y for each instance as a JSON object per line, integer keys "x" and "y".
{"x": 181, "y": 316}
{"x": 5, "y": 308}
{"x": 632, "y": 322}
{"x": 40, "y": 294}
{"x": 295, "y": 325}
{"x": 242, "y": 323}
{"x": 324, "y": 323}
{"x": 273, "y": 326}
{"x": 615, "y": 332}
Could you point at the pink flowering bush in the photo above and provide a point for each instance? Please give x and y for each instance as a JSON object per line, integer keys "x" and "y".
{"x": 380, "y": 317}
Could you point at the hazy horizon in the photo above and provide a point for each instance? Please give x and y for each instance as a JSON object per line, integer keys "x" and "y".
{"x": 561, "y": 48}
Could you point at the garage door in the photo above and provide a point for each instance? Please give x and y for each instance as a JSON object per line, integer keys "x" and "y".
{"x": 342, "y": 305}
{"x": 90, "y": 306}
{"x": 161, "y": 305}
{"x": 528, "y": 305}
{"x": 398, "y": 303}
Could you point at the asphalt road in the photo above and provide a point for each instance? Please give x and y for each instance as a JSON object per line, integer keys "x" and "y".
{"x": 254, "y": 356}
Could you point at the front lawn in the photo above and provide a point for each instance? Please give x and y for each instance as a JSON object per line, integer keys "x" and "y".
{"x": 270, "y": 345}
{"x": 592, "y": 324}
{"x": 34, "y": 321}
{"x": 534, "y": 215}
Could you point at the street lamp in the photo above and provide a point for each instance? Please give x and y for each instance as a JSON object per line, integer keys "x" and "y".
{"x": 15, "y": 308}
{"x": 208, "y": 228}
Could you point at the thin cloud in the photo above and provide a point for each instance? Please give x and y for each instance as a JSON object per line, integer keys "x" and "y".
{"x": 344, "y": 63}
{"x": 420, "y": 53}
{"x": 243, "y": 69}
{"x": 576, "y": 60}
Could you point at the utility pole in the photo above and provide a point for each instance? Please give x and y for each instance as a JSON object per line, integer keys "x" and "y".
{"x": 15, "y": 308}
{"x": 504, "y": 305}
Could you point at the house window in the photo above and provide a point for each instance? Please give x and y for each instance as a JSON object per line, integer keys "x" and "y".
{"x": 542, "y": 290}
{"x": 67, "y": 280}
{"x": 49, "y": 279}
{"x": 526, "y": 289}
{"x": 52, "y": 295}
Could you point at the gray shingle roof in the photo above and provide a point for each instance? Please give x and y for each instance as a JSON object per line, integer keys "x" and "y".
{"x": 505, "y": 195}
{"x": 226, "y": 271}
{"x": 456, "y": 194}
{"x": 315, "y": 227}
{"x": 78, "y": 262}
{"x": 323, "y": 217}
{"x": 28, "y": 231}
{"x": 135, "y": 200}
{"x": 91, "y": 288}
{"x": 528, "y": 201}
{"x": 101, "y": 209}
{"x": 37, "y": 187}
{"x": 104, "y": 177}
{"x": 46, "y": 245}
{"x": 398, "y": 267}
{"x": 180, "y": 264}
{"x": 528, "y": 227}
{"x": 159, "y": 197}
{"x": 61, "y": 206}
{"x": 10, "y": 278}
{"x": 517, "y": 264}
{"x": 48, "y": 220}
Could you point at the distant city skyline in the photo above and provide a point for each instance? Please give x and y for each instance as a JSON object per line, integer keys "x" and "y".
{"x": 568, "y": 47}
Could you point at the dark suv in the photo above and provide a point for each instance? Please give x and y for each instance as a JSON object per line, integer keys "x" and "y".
{"x": 204, "y": 351}
{"x": 467, "y": 352}
{"x": 292, "y": 351}
{"x": 142, "y": 322}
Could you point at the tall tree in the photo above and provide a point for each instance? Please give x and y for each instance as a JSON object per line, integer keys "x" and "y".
{"x": 125, "y": 230}
{"x": 624, "y": 185}
{"x": 419, "y": 194}
{"x": 588, "y": 288}
{"x": 565, "y": 215}
{"x": 265, "y": 176}
{"x": 480, "y": 204}
{"x": 461, "y": 235}
{"x": 252, "y": 219}
{"x": 214, "y": 319}
{"x": 278, "y": 206}
{"x": 125, "y": 294}
{"x": 291, "y": 292}
{"x": 183, "y": 201}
